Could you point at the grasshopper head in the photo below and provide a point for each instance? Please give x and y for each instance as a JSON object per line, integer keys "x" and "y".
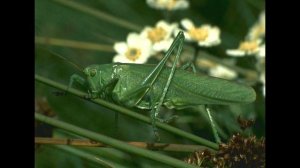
{"x": 90, "y": 71}
{"x": 98, "y": 77}
{"x": 93, "y": 76}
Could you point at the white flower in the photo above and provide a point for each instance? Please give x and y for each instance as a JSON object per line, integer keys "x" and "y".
{"x": 258, "y": 29}
{"x": 206, "y": 35}
{"x": 136, "y": 50}
{"x": 168, "y": 4}
{"x": 262, "y": 51}
{"x": 222, "y": 72}
{"x": 263, "y": 81}
{"x": 246, "y": 48}
{"x": 160, "y": 35}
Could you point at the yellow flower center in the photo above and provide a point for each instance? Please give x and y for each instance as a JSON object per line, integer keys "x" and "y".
{"x": 171, "y": 4}
{"x": 199, "y": 34}
{"x": 248, "y": 46}
{"x": 157, "y": 34}
{"x": 133, "y": 53}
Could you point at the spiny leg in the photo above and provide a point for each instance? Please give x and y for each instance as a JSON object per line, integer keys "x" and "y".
{"x": 213, "y": 125}
{"x": 156, "y": 108}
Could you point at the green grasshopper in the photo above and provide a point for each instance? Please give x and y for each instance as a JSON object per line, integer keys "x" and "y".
{"x": 151, "y": 86}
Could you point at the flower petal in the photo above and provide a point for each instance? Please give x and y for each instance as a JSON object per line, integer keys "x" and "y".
{"x": 187, "y": 23}
{"x": 169, "y": 28}
{"x": 144, "y": 32}
{"x": 262, "y": 51}
{"x": 222, "y": 72}
{"x": 181, "y": 4}
{"x": 141, "y": 60}
{"x": 162, "y": 24}
{"x": 121, "y": 59}
{"x": 120, "y": 47}
{"x": 213, "y": 36}
{"x": 133, "y": 39}
{"x": 163, "y": 45}
{"x": 235, "y": 52}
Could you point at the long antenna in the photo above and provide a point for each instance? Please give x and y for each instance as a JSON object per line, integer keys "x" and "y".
{"x": 80, "y": 68}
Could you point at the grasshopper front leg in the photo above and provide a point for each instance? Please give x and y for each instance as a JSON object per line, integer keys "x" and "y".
{"x": 76, "y": 79}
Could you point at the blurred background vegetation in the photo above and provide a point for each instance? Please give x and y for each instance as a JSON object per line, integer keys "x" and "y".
{"x": 81, "y": 23}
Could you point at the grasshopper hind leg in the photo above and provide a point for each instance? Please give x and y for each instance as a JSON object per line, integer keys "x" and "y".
{"x": 156, "y": 108}
{"x": 154, "y": 114}
{"x": 211, "y": 120}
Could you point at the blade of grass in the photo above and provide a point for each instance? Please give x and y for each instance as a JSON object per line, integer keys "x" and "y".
{"x": 73, "y": 44}
{"x": 144, "y": 145}
{"x": 99, "y": 14}
{"x": 83, "y": 155}
{"x": 113, "y": 142}
{"x": 129, "y": 113}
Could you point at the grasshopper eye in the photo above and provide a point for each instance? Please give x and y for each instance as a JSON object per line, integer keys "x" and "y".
{"x": 93, "y": 72}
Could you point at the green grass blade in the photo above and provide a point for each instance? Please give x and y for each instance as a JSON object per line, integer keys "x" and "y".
{"x": 73, "y": 44}
{"x": 101, "y": 15}
{"x": 84, "y": 155}
{"x": 113, "y": 142}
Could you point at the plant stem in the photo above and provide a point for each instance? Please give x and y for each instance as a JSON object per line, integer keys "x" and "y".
{"x": 84, "y": 155}
{"x": 100, "y": 15}
{"x": 73, "y": 44}
{"x": 113, "y": 142}
{"x": 144, "y": 145}
{"x": 129, "y": 113}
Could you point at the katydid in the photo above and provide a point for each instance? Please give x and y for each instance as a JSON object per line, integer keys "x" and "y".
{"x": 151, "y": 86}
